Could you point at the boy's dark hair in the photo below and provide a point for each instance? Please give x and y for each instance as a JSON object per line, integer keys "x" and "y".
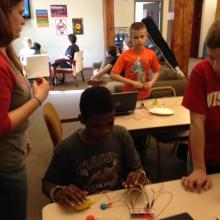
{"x": 96, "y": 100}
{"x": 112, "y": 50}
{"x": 136, "y": 26}
{"x": 213, "y": 36}
{"x": 72, "y": 38}
{"x": 36, "y": 46}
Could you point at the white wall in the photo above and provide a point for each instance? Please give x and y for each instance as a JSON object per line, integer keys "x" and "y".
{"x": 91, "y": 42}
{"x": 165, "y": 18}
{"x": 208, "y": 16}
{"x": 124, "y": 14}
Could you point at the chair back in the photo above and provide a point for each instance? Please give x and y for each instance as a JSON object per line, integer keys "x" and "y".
{"x": 53, "y": 123}
{"x": 96, "y": 65}
{"x": 76, "y": 67}
{"x": 36, "y": 66}
{"x": 162, "y": 91}
{"x": 78, "y": 57}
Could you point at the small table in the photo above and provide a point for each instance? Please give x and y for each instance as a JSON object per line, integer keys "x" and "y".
{"x": 172, "y": 199}
{"x": 143, "y": 121}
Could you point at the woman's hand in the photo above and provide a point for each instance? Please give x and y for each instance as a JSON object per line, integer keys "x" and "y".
{"x": 197, "y": 181}
{"x": 41, "y": 88}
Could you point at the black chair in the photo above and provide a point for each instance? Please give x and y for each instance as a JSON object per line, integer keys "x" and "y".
{"x": 172, "y": 136}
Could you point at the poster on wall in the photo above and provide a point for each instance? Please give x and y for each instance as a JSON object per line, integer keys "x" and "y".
{"x": 77, "y": 25}
{"x": 42, "y": 18}
{"x": 61, "y": 26}
{"x": 58, "y": 10}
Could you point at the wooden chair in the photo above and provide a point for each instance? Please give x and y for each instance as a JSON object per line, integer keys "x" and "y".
{"x": 78, "y": 57}
{"x": 54, "y": 123}
{"x": 174, "y": 136}
{"x": 76, "y": 68}
{"x": 162, "y": 91}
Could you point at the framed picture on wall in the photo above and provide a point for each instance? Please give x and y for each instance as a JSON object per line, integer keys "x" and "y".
{"x": 61, "y": 26}
{"x": 77, "y": 26}
{"x": 42, "y": 17}
{"x": 58, "y": 10}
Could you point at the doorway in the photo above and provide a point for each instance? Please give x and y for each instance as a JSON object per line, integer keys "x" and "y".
{"x": 197, "y": 17}
{"x": 151, "y": 8}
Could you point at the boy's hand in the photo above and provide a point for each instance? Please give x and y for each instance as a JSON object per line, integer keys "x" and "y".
{"x": 138, "y": 85}
{"x": 95, "y": 71}
{"x": 148, "y": 85}
{"x": 135, "y": 179}
{"x": 70, "y": 195}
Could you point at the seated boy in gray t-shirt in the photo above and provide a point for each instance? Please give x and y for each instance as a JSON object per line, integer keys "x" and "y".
{"x": 99, "y": 157}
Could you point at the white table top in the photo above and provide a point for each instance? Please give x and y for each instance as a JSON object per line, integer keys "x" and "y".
{"x": 143, "y": 120}
{"x": 173, "y": 200}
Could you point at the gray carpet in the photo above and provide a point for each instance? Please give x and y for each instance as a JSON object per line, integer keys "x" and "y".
{"x": 66, "y": 98}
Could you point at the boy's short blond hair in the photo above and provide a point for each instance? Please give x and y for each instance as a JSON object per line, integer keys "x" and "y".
{"x": 136, "y": 26}
{"x": 213, "y": 35}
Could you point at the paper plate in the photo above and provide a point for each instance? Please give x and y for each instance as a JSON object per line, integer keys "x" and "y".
{"x": 161, "y": 111}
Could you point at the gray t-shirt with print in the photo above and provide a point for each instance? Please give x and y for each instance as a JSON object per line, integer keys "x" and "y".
{"x": 94, "y": 167}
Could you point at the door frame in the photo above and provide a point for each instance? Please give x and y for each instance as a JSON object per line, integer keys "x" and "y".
{"x": 196, "y": 27}
{"x": 161, "y": 10}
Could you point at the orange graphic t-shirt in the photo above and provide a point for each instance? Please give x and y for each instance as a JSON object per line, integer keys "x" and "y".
{"x": 137, "y": 66}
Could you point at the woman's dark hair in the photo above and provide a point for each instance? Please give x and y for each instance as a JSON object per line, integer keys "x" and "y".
{"x": 96, "y": 100}
{"x": 72, "y": 38}
{"x": 112, "y": 50}
{"x": 6, "y": 32}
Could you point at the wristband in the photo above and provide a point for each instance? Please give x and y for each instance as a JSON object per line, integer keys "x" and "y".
{"x": 52, "y": 192}
{"x": 38, "y": 100}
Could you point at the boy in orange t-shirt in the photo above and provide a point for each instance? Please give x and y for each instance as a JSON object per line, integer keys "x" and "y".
{"x": 136, "y": 63}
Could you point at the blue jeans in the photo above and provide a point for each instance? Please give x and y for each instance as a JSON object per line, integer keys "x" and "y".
{"x": 13, "y": 194}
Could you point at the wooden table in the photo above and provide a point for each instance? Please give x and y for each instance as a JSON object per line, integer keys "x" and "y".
{"x": 173, "y": 199}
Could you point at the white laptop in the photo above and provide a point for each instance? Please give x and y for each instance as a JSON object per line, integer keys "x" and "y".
{"x": 36, "y": 66}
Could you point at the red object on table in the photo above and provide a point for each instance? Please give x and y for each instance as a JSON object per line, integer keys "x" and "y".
{"x": 90, "y": 217}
